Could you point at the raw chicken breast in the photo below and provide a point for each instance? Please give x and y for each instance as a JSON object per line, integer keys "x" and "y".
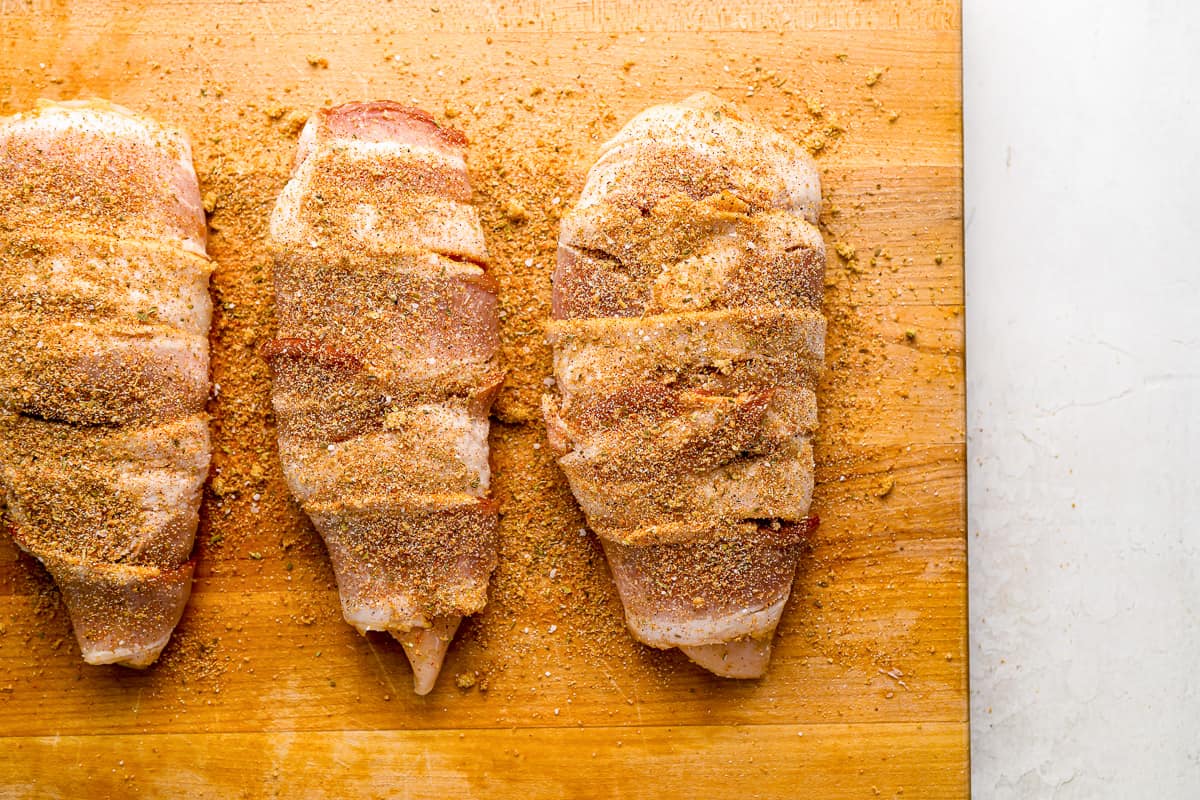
{"x": 104, "y": 318}
{"x": 687, "y": 341}
{"x": 385, "y": 370}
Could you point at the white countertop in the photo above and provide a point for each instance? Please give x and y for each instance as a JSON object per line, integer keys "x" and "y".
{"x": 1082, "y": 213}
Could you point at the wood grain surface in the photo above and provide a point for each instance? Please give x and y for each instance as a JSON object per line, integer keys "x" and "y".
{"x": 265, "y": 691}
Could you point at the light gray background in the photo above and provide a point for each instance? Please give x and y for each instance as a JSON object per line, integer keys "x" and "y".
{"x": 1082, "y": 130}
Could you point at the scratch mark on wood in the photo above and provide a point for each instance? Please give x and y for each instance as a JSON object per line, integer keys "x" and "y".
{"x": 382, "y": 669}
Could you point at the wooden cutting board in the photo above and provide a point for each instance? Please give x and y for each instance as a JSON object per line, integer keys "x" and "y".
{"x": 265, "y": 691}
